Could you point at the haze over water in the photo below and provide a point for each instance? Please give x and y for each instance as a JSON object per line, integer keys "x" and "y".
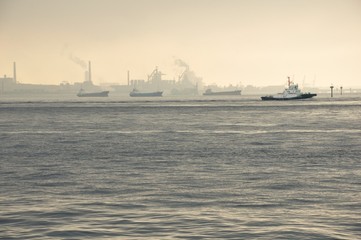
{"x": 179, "y": 167}
{"x": 171, "y": 168}
{"x": 252, "y": 42}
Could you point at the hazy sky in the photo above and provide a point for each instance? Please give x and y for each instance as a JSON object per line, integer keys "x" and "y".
{"x": 256, "y": 42}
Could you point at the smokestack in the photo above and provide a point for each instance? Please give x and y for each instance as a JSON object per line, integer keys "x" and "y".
{"x": 128, "y": 79}
{"x": 90, "y": 72}
{"x": 331, "y": 90}
{"x": 14, "y": 72}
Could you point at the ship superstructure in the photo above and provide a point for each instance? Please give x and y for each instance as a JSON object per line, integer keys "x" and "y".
{"x": 290, "y": 93}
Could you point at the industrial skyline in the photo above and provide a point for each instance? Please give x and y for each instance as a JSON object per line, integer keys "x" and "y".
{"x": 224, "y": 42}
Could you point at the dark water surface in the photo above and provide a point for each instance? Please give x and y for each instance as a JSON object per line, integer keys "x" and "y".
{"x": 233, "y": 168}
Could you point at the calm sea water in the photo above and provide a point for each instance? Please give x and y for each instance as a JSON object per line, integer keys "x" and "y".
{"x": 221, "y": 168}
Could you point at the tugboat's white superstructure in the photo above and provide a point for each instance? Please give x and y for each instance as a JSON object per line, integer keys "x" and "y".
{"x": 290, "y": 93}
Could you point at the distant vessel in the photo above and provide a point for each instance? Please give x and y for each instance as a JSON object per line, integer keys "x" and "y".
{"x": 209, "y": 92}
{"x": 88, "y": 83}
{"x": 136, "y": 93}
{"x": 290, "y": 93}
{"x": 92, "y": 94}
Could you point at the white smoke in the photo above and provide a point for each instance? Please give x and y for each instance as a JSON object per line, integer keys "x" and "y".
{"x": 78, "y": 61}
{"x": 181, "y": 63}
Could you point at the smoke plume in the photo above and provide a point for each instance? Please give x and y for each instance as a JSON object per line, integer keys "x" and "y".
{"x": 180, "y": 63}
{"x": 78, "y": 61}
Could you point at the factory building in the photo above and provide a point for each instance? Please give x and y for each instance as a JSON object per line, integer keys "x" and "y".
{"x": 8, "y": 84}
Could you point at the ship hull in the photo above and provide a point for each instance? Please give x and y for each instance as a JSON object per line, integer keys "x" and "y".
{"x": 148, "y": 94}
{"x": 94, "y": 94}
{"x": 226, "y": 93}
{"x": 302, "y": 96}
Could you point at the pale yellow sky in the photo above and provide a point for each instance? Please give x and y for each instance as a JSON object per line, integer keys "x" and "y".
{"x": 256, "y": 42}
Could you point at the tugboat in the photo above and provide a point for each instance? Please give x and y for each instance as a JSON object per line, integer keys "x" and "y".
{"x": 290, "y": 93}
{"x": 136, "y": 93}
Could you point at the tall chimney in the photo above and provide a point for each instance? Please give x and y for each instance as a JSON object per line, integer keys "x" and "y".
{"x": 90, "y": 72}
{"x": 14, "y": 77}
{"x": 128, "y": 79}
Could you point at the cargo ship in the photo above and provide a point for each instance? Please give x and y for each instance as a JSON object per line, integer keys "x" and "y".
{"x": 209, "y": 92}
{"x": 92, "y": 94}
{"x": 89, "y": 85}
{"x": 136, "y": 93}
